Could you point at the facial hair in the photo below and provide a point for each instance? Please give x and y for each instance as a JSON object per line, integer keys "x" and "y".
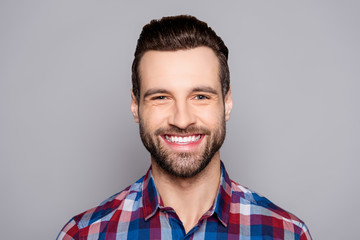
{"x": 183, "y": 164}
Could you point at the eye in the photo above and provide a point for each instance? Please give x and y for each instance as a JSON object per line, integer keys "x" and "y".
{"x": 201, "y": 97}
{"x": 159, "y": 98}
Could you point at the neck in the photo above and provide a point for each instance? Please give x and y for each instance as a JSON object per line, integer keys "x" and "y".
{"x": 189, "y": 197}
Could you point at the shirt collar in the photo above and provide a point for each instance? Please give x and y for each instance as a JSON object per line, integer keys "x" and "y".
{"x": 223, "y": 199}
{"x": 152, "y": 200}
{"x": 150, "y": 196}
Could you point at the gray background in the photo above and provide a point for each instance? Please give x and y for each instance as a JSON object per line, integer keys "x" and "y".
{"x": 68, "y": 141}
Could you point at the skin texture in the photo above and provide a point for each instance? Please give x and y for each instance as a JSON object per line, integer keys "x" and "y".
{"x": 181, "y": 96}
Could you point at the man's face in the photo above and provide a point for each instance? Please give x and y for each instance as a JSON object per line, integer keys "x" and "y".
{"x": 181, "y": 110}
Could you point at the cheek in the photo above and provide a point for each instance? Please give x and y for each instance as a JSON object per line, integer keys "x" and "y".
{"x": 211, "y": 114}
{"x": 153, "y": 118}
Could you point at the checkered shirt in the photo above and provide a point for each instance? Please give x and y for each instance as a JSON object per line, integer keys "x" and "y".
{"x": 138, "y": 213}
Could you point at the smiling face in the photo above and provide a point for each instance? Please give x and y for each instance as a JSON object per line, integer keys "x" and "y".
{"x": 181, "y": 110}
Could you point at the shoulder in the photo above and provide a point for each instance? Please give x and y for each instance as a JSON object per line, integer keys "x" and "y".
{"x": 250, "y": 198}
{"x": 257, "y": 208}
{"x": 120, "y": 200}
{"x": 128, "y": 199}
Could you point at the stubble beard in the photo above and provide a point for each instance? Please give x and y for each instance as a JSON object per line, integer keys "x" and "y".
{"x": 183, "y": 164}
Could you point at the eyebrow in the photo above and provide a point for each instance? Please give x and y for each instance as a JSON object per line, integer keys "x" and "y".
{"x": 205, "y": 89}
{"x": 155, "y": 91}
{"x": 196, "y": 89}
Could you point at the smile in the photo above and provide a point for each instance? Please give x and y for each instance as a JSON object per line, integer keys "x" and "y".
{"x": 183, "y": 140}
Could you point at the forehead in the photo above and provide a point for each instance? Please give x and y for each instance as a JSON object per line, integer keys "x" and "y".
{"x": 180, "y": 69}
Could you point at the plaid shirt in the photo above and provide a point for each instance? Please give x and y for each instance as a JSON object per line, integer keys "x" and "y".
{"x": 138, "y": 213}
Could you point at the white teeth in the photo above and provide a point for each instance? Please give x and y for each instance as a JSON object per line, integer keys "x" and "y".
{"x": 182, "y": 140}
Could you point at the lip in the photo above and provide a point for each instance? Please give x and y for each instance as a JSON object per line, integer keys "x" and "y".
{"x": 189, "y": 142}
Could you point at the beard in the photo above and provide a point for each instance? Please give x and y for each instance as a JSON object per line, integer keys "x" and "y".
{"x": 183, "y": 164}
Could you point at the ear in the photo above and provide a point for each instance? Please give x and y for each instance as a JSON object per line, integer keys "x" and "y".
{"x": 134, "y": 107}
{"x": 228, "y": 104}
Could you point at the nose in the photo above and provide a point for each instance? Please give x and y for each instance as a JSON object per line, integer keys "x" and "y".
{"x": 182, "y": 115}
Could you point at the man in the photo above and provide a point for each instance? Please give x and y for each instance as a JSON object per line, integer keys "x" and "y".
{"x": 181, "y": 99}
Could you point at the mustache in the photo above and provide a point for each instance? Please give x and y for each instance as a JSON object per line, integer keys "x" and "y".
{"x": 188, "y": 130}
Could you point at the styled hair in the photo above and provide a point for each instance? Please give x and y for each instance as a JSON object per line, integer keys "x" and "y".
{"x": 179, "y": 33}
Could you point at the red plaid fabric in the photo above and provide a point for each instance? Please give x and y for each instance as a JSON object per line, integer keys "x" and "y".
{"x": 138, "y": 213}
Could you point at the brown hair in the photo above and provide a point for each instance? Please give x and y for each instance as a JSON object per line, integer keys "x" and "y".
{"x": 179, "y": 33}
